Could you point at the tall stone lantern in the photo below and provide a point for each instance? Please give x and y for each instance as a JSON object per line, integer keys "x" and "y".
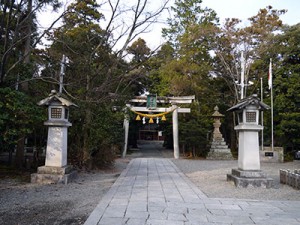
{"x": 218, "y": 150}
{"x": 249, "y": 172}
{"x": 56, "y": 169}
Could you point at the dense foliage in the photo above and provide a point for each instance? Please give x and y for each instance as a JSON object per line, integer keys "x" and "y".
{"x": 200, "y": 57}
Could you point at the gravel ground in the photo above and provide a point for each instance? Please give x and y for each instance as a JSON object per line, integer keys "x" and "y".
{"x": 26, "y": 203}
{"x": 210, "y": 177}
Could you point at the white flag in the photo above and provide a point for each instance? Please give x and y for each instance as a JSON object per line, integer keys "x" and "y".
{"x": 270, "y": 78}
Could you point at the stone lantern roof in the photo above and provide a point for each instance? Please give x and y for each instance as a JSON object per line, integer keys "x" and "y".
{"x": 55, "y": 97}
{"x": 217, "y": 114}
{"x": 250, "y": 101}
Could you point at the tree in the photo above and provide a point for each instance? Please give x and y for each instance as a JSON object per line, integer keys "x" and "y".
{"x": 138, "y": 67}
{"x": 139, "y": 50}
{"x": 95, "y": 70}
{"x": 252, "y": 40}
{"x": 19, "y": 36}
{"x": 187, "y": 15}
{"x": 186, "y": 70}
{"x": 19, "y": 117}
{"x": 90, "y": 72}
{"x": 286, "y": 85}
{"x": 128, "y": 20}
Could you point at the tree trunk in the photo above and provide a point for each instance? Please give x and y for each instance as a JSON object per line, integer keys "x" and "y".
{"x": 27, "y": 50}
{"x": 86, "y": 149}
{"x": 87, "y": 124}
{"x": 27, "y": 47}
{"x": 19, "y": 160}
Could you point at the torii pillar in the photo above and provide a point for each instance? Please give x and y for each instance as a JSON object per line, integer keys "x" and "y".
{"x": 175, "y": 132}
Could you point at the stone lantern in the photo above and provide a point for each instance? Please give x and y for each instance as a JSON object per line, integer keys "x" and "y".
{"x": 218, "y": 150}
{"x": 248, "y": 172}
{"x": 56, "y": 169}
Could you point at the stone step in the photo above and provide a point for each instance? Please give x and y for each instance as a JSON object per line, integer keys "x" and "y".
{"x": 220, "y": 150}
{"x": 220, "y": 155}
{"x": 218, "y": 146}
{"x": 53, "y": 178}
{"x": 248, "y": 173}
{"x": 54, "y": 170}
{"x": 218, "y": 143}
{"x": 250, "y": 182}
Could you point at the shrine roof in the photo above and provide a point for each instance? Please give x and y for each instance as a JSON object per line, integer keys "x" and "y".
{"x": 55, "y": 97}
{"x": 252, "y": 100}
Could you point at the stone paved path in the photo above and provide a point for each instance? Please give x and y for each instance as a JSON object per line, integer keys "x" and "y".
{"x": 152, "y": 191}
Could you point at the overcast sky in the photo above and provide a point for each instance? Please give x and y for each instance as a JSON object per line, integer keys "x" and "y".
{"x": 244, "y": 9}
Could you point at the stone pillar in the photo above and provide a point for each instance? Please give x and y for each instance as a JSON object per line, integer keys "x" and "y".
{"x": 175, "y": 132}
{"x": 56, "y": 152}
{"x": 126, "y": 128}
{"x": 248, "y": 158}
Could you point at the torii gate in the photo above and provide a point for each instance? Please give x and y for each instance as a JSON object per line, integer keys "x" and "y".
{"x": 174, "y": 109}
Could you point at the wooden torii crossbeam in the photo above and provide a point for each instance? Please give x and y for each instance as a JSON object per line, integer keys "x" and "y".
{"x": 174, "y": 109}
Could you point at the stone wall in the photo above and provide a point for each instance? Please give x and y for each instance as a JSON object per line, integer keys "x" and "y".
{"x": 291, "y": 178}
{"x": 267, "y": 155}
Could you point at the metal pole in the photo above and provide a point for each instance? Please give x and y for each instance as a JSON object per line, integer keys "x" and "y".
{"x": 272, "y": 114}
{"x": 272, "y": 118}
{"x": 62, "y": 73}
{"x": 262, "y": 114}
{"x": 242, "y": 74}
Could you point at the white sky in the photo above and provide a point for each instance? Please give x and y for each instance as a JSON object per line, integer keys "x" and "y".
{"x": 241, "y": 9}
{"x": 244, "y": 9}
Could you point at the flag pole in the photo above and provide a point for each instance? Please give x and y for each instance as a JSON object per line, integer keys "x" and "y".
{"x": 262, "y": 114}
{"x": 272, "y": 115}
{"x": 61, "y": 74}
{"x": 242, "y": 74}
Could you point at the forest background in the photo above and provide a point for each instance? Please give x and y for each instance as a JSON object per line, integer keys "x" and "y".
{"x": 200, "y": 56}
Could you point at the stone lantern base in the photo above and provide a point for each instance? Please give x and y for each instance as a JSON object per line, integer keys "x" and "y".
{"x": 249, "y": 178}
{"x": 54, "y": 175}
{"x": 219, "y": 151}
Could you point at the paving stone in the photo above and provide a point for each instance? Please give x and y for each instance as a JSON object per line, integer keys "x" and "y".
{"x": 176, "y": 209}
{"x": 110, "y": 221}
{"x": 204, "y": 223}
{"x": 137, "y": 214}
{"x": 156, "y": 208}
{"x": 218, "y": 212}
{"x": 199, "y": 218}
{"x": 193, "y": 206}
{"x": 230, "y": 219}
{"x": 273, "y": 221}
{"x": 177, "y": 217}
{"x": 221, "y": 206}
{"x": 154, "y": 191}
{"x": 164, "y": 222}
{"x": 114, "y": 212}
{"x": 141, "y": 206}
{"x": 157, "y": 215}
{"x": 134, "y": 221}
